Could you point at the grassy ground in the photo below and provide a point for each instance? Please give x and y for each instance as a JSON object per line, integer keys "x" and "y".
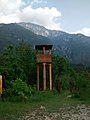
{"x": 51, "y": 101}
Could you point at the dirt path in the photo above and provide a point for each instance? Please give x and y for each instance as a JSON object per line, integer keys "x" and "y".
{"x": 80, "y": 112}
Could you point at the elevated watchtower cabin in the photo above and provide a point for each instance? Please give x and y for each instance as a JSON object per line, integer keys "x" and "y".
{"x": 44, "y": 58}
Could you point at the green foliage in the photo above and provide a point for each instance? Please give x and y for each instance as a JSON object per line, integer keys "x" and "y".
{"x": 9, "y": 65}
{"x": 61, "y": 71}
{"x": 82, "y": 83}
{"x": 17, "y": 90}
{"x": 27, "y": 62}
{"x": 60, "y": 66}
{"x": 71, "y": 79}
{"x": 65, "y": 82}
{"x": 18, "y": 62}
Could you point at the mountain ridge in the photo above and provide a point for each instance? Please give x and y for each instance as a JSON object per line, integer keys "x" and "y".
{"x": 40, "y": 30}
{"x": 13, "y": 34}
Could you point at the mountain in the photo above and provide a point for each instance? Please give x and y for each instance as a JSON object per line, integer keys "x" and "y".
{"x": 40, "y": 30}
{"x": 75, "y": 47}
{"x": 14, "y": 33}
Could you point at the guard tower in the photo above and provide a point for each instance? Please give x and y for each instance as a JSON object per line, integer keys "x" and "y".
{"x": 44, "y": 58}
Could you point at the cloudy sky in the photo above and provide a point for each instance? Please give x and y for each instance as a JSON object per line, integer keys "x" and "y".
{"x": 72, "y": 16}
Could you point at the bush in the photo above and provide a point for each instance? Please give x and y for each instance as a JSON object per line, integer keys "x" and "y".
{"x": 81, "y": 82}
{"x": 65, "y": 82}
{"x": 82, "y": 87}
{"x": 17, "y": 90}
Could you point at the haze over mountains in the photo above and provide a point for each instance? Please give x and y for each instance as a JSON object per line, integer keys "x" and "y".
{"x": 76, "y": 47}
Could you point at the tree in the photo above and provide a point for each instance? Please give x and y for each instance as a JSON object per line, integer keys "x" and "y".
{"x": 60, "y": 66}
{"x": 61, "y": 71}
{"x": 18, "y": 62}
{"x": 27, "y": 61}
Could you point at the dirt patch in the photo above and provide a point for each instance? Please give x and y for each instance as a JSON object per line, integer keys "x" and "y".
{"x": 80, "y": 112}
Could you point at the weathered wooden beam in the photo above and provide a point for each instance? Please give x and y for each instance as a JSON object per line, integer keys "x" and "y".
{"x": 44, "y": 76}
{"x": 0, "y": 85}
{"x": 50, "y": 74}
{"x": 37, "y": 77}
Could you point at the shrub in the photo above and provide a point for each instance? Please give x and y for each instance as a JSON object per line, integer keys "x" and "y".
{"x": 17, "y": 90}
{"x": 65, "y": 82}
{"x": 82, "y": 87}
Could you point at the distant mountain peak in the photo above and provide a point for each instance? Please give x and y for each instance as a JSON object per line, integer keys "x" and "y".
{"x": 40, "y": 30}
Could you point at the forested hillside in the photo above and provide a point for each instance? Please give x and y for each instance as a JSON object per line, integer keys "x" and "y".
{"x": 13, "y": 34}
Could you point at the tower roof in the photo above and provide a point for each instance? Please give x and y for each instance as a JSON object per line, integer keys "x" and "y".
{"x": 40, "y": 47}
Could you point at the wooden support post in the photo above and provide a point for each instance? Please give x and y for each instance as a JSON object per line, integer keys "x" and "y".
{"x": 37, "y": 77}
{"x": 49, "y": 51}
{"x": 50, "y": 74}
{"x": 0, "y": 85}
{"x": 43, "y": 50}
{"x": 44, "y": 76}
